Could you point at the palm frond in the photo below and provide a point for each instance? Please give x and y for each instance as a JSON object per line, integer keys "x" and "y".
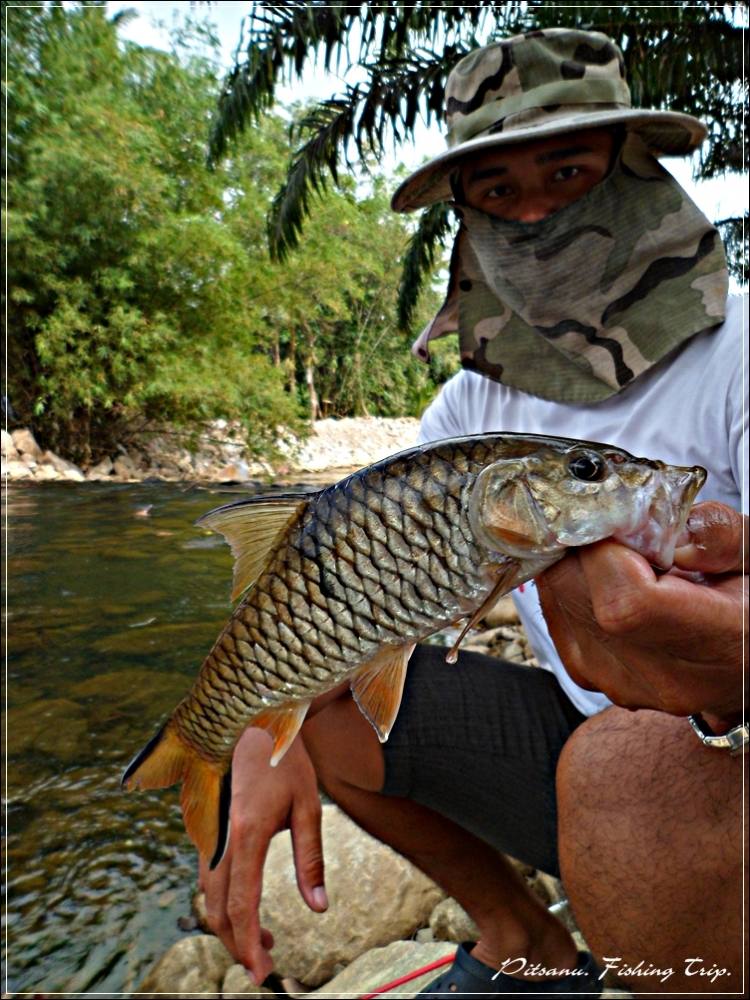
{"x": 331, "y": 124}
{"x": 684, "y": 56}
{"x": 434, "y": 226}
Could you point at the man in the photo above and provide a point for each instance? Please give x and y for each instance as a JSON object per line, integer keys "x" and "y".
{"x": 589, "y": 294}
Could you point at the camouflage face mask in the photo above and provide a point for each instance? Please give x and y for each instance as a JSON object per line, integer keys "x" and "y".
{"x": 574, "y": 307}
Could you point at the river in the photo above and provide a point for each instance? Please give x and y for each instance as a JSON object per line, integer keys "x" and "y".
{"x": 114, "y": 597}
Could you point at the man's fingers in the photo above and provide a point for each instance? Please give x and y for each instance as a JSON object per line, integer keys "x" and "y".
{"x": 559, "y": 624}
{"x": 718, "y": 540}
{"x": 215, "y": 886}
{"x": 308, "y": 854}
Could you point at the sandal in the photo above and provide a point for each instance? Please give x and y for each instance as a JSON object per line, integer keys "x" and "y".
{"x": 470, "y": 977}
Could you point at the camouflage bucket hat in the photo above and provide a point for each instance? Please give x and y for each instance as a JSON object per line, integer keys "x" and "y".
{"x": 536, "y": 85}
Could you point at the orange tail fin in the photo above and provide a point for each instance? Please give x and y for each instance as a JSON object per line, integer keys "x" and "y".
{"x": 206, "y": 788}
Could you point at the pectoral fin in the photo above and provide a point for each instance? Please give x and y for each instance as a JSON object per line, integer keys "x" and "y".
{"x": 504, "y": 583}
{"x": 253, "y": 529}
{"x": 378, "y": 685}
{"x": 283, "y": 724}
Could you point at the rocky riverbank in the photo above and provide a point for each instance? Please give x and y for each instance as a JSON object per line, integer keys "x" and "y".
{"x": 385, "y": 921}
{"x": 219, "y": 455}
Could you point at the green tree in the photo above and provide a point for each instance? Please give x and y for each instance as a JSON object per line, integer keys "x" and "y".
{"x": 140, "y": 289}
{"x": 683, "y": 56}
{"x": 128, "y": 294}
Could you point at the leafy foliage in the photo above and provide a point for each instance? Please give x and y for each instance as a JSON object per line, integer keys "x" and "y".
{"x": 684, "y": 56}
{"x": 140, "y": 289}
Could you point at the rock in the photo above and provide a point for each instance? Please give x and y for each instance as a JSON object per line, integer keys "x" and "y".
{"x": 375, "y": 896}
{"x": 9, "y": 450}
{"x": 293, "y": 987}
{"x": 46, "y": 472}
{"x": 102, "y": 470}
{"x": 17, "y": 470}
{"x": 132, "y": 688}
{"x": 450, "y": 922}
{"x": 29, "y": 461}
{"x": 194, "y": 967}
{"x": 514, "y": 651}
{"x": 184, "y": 462}
{"x": 547, "y": 887}
{"x": 237, "y": 984}
{"x": 237, "y": 472}
{"x": 54, "y": 726}
{"x": 62, "y": 465}
{"x": 380, "y": 966}
{"x": 199, "y": 912}
{"x": 25, "y": 442}
{"x": 503, "y": 612}
{"x": 124, "y": 467}
{"x": 74, "y": 475}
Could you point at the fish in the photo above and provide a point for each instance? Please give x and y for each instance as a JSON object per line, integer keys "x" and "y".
{"x": 340, "y": 585}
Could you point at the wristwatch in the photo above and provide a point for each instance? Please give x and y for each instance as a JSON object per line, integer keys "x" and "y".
{"x": 735, "y": 741}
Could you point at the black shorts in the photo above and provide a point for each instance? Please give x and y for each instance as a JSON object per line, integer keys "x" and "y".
{"x": 478, "y": 741}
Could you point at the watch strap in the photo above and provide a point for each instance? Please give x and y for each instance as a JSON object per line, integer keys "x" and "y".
{"x": 735, "y": 741}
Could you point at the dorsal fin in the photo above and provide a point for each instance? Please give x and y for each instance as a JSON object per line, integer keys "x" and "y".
{"x": 253, "y": 529}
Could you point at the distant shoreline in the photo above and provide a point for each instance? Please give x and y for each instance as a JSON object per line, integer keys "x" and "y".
{"x": 334, "y": 448}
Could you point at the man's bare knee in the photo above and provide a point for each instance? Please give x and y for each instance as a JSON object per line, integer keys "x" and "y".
{"x": 344, "y": 748}
{"x": 649, "y": 830}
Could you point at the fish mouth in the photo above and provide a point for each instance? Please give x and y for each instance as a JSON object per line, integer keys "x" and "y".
{"x": 656, "y": 535}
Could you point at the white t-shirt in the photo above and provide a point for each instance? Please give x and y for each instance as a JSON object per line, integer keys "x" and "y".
{"x": 689, "y": 409}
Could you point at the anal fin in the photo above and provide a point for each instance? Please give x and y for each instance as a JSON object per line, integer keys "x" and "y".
{"x": 377, "y": 687}
{"x": 283, "y": 723}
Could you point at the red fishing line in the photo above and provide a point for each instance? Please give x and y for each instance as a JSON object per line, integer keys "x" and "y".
{"x": 409, "y": 976}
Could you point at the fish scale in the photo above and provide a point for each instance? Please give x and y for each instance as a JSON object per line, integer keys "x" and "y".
{"x": 341, "y": 584}
{"x": 407, "y": 611}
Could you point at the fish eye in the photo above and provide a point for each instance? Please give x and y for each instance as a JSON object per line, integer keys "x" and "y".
{"x": 589, "y": 468}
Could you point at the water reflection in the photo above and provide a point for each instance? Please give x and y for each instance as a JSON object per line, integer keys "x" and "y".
{"x": 114, "y": 599}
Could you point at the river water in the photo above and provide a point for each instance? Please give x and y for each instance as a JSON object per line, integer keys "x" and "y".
{"x": 114, "y": 598}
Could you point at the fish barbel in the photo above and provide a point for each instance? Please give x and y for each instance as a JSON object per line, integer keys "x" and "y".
{"x": 341, "y": 585}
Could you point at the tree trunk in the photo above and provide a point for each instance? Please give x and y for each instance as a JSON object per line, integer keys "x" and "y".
{"x": 311, "y": 391}
{"x": 292, "y": 361}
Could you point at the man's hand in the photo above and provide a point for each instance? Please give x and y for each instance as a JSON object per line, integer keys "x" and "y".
{"x": 666, "y": 642}
{"x": 265, "y": 800}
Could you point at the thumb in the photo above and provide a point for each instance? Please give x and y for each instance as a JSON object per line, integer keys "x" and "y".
{"x": 307, "y": 846}
{"x": 717, "y": 540}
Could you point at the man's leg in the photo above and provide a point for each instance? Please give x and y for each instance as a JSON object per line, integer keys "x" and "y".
{"x": 651, "y": 848}
{"x": 349, "y": 761}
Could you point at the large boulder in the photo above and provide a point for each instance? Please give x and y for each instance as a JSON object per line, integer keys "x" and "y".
{"x": 237, "y": 984}
{"x": 381, "y": 966}
{"x": 124, "y": 467}
{"x": 43, "y": 472}
{"x": 194, "y": 967}
{"x": 449, "y": 921}
{"x": 102, "y": 470}
{"x": 66, "y": 469}
{"x": 9, "y": 450}
{"x": 25, "y": 443}
{"x": 15, "y": 469}
{"x": 375, "y": 896}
